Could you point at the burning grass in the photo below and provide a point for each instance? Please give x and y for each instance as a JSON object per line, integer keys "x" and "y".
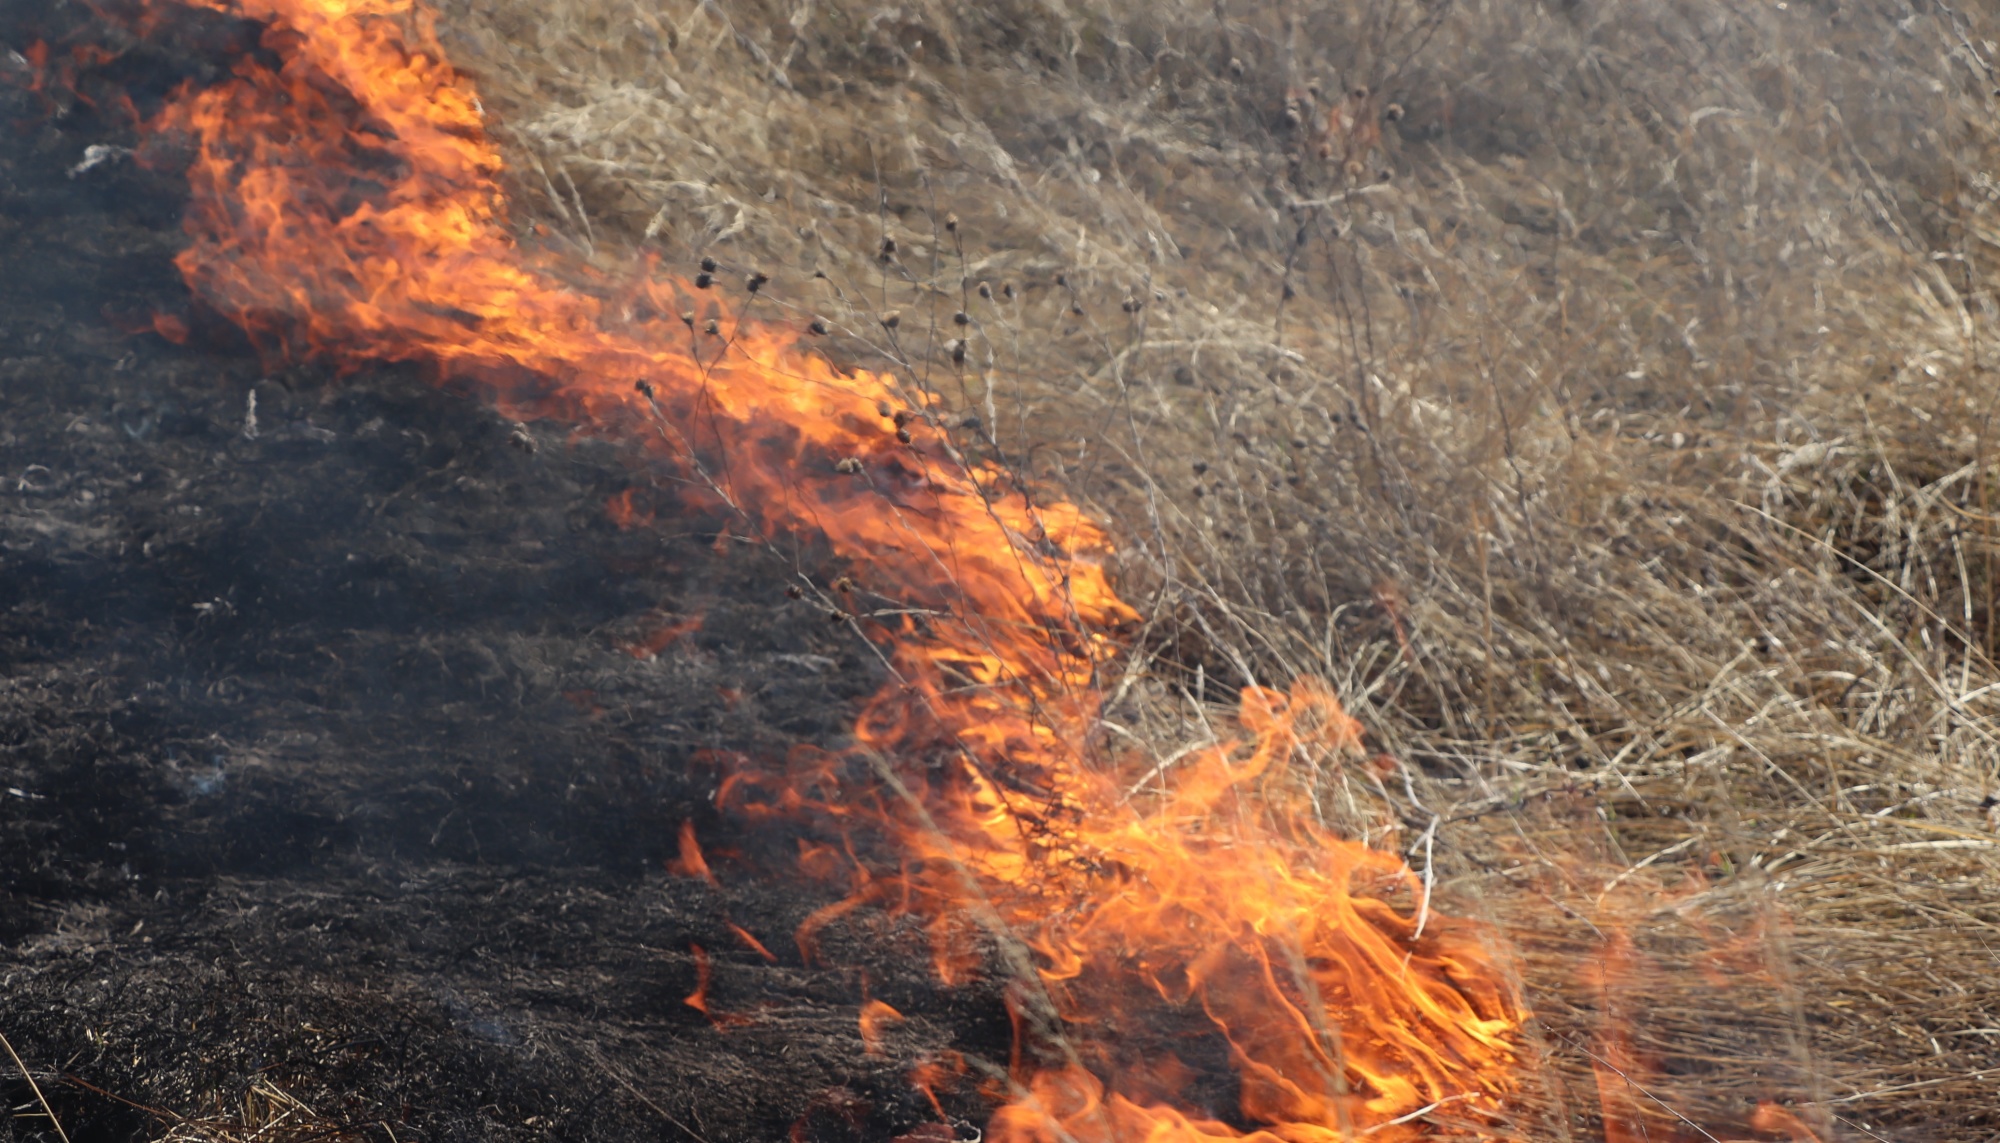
{"x": 1614, "y": 433}
{"x": 1596, "y": 397}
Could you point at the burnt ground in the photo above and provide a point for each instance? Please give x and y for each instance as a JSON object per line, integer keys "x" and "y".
{"x": 325, "y": 761}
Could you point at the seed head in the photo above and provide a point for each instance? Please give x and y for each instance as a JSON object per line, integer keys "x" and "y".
{"x": 793, "y": 591}
{"x": 951, "y": 223}
{"x": 708, "y": 265}
{"x": 522, "y": 439}
{"x": 961, "y": 318}
{"x": 1007, "y": 290}
{"x": 843, "y": 585}
{"x": 817, "y": 328}
{"x": 986, "y": 290}
{"x": 1236, "y": 67}
{"x": 687, "y": 318}
{"x": 957, "y": 349}
{"x": 1393, "y": 112}
{"x": 903, "y": 435}
{"x": 755, "y": 281}
{"x": 711, "y": 327}
{"x": 704, "y": 280}
{"x": 892, "y": 318}
{"x": 888, "y": 253}
{"x": 848, "y": 465}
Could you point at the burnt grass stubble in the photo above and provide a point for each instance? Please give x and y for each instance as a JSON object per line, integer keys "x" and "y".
{"x": 321, "y": 764}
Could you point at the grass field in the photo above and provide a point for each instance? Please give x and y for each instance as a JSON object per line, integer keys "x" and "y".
{"x": 1599, "y": 393}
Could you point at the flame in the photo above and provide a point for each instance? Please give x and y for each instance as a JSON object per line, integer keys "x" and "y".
{"x": 875, "y": 1016}
{"x": 346, "y": 205}
{"x": 660, "y": 638}
{"x": 698, "y": 999}
{"x": 691, "y": 862}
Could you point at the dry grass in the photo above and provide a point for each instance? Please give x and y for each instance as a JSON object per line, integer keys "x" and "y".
{"x": 268, "y": 1114}
{"x": 1623, "y": 455}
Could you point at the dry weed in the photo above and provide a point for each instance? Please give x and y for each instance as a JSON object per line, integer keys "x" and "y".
{"x": 1598, "y": 392}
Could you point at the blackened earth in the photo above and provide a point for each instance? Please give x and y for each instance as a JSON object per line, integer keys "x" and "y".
{"x": 325, "y": 759}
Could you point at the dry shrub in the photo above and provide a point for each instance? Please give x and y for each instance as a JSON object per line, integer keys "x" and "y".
{"x": 1613, "y": 430}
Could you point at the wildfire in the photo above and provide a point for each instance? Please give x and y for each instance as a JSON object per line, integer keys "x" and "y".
{"x": 346, "y": 205}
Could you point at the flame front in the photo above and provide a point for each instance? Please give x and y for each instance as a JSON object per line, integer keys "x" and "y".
{"x": 346, "y": 204}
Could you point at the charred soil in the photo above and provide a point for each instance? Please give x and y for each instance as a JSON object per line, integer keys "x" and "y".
{"x": 347, "y": 740}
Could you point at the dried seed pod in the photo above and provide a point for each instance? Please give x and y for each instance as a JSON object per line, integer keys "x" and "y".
{"x": 903, "y": 435}
{"x": 970, "y": 421}
{"x": 704, "y": 280}
{"x": 1200, "y": 467}
{"x": 523, "y": 440}
{"x": 1131, "y": 305}
{"x": 817, "y": 327}
{"x": 687, "y": 318}
{"x": 1062, "y": 279}
{"x": 644, "y": 388}
{"x": 708, "y": 265}
{"x": 836, "y": 616}
{"x": 882, "y": 408}
{"x": 888, "y": 253}
{"x": 904, "y": 417}
{"x": 951, "y": 223}
{"x": 1007, "y": 290}
{"x": 956, "y": 347}
{"x": 986, "y": 290}
{"x": 1392, "y": 112}
{"x": 711, "y": 327}
{"x": 961, "y": 318}
{"x": 1358, "y": 94}
{"x": 755, "y": 281}
{"x": 793, "y": 591}
{"x": 1236, "y": 67}
{"x": 843, "y": 585}
{"x": 848, "y": 465}
{"x": 892, "y": 318}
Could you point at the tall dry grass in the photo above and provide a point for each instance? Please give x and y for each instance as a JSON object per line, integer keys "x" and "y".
{"x": 1614, "y": 430}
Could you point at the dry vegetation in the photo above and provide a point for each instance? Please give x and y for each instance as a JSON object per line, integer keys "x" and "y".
{"x": 1613, "y": 430}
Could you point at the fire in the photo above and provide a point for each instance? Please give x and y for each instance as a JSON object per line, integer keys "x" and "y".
{"x": 876, "y": 1016}
{"x": 345, "y": 204}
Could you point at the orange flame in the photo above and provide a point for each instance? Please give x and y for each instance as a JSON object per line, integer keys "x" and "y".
{"x": 660, "y": 638}
{"x": 876, "y": 1016}
{"x": 690, "y": 863}
{"x": 345, "y": 204}
{"x": 698, "y": 999}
